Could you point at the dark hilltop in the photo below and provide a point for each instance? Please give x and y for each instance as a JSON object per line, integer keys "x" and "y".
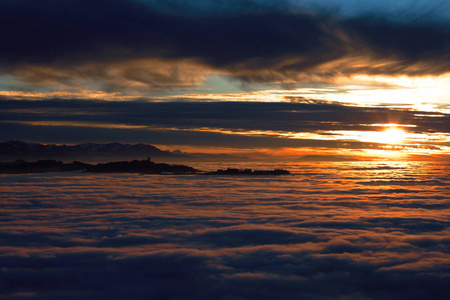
{"x": 134, "y": 166}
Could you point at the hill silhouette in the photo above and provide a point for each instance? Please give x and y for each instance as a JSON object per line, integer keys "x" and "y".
{"x": 134, "y": 166}
{"x": 14, "y": 150}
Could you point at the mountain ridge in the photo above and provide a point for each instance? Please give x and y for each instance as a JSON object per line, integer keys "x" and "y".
{"x": 101, "y": 152}
{"x": 14, "y": 150}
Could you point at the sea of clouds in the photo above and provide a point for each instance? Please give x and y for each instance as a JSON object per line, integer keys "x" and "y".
{"x": 328, "y": 231}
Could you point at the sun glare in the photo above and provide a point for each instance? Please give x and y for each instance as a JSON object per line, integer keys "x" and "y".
{"x": 391, "y": 135}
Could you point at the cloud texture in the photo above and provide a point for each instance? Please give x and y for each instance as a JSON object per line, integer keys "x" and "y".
{"x": 380, "y": 234}
{"x": 117, "y": 44}
{"x": 224, "y": 124}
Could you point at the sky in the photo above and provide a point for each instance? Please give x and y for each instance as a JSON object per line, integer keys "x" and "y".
{"x": 292, "y": 77}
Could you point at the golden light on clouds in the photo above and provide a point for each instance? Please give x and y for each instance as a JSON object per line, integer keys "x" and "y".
{"x": 390, "y": 140}
{"x": 406, "y": 115}
{"x": 85, "y": 94}
{"x": 422, "y": 93}
{"x": 390, "y": 135}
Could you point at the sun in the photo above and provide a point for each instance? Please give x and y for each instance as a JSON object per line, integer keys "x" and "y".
{"x": 390, "y": 135}
{"x": 393, "y": 135}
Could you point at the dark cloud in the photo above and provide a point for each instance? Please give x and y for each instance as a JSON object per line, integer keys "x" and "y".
{"x": 411, "y": 225}
{"x": 91, "y": 274}
{"x": 179, "y": 122}
{"x": 107, "y": 41}
{"x": 259, "y": 275}
{"x": 413, "y": 48}
{"x": 239, "y": 238}
{"x": 70, "y": 134}
{"x": 34, "y": 239}
{"x": 114, "y": 29}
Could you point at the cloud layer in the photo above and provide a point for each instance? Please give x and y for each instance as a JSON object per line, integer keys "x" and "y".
{"x": 302, "y": 123}
{"x": 380, "y": 234}
{"x": 115, "y": 44}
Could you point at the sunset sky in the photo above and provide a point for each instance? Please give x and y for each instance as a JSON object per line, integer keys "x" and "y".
{"x": 352, "y": 78}
{"x": 349, "y": 98}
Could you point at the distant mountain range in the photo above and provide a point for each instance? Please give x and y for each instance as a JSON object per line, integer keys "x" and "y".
{"x": 14, "y": 150}
{"x": 91, "y": 152}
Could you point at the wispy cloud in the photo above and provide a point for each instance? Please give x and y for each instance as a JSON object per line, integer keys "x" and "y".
{"x": 303, "y": 123}
{"x": 151, "y": 45}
